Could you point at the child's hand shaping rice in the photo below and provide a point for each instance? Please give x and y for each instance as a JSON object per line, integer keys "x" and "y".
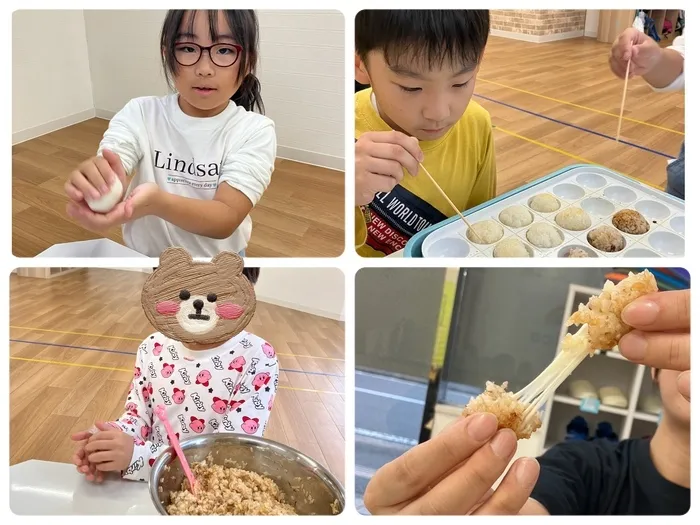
{"x": 110, "y": 449}
{"x": 452, "y": 474}
{"x": 80, "y": 459}
{"x": 380, "y": 158}
{"x": 661, "y": 335}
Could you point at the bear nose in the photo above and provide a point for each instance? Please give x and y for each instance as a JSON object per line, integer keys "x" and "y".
{"x": 198, "y": 304}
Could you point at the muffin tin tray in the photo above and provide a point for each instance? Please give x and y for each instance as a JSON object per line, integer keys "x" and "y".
{"x": 599, "y": 191}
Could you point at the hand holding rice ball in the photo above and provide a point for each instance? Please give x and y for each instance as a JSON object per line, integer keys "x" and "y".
{"x": 97, "y": 182}
{"x": 107, "y": 202}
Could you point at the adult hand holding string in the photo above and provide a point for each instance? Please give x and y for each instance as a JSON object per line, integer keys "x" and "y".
{"x": 452, "y": 474}
{"x": 661, "y": 335}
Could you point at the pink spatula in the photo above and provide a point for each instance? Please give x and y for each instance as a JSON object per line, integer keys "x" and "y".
{"x": 160, "y": 412}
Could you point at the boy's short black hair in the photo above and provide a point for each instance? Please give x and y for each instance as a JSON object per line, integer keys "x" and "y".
{"x": 252, "y": 274}
{"x": 429, "y": 37}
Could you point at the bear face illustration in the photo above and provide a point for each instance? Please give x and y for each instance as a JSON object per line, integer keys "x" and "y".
{"x": 199, "y": 303}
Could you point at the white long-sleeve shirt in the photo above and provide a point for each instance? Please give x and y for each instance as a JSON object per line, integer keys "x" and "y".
{"x": 679, "y": 83}
{"x": 190, "y": 157}
{"x": 230, "y": 388}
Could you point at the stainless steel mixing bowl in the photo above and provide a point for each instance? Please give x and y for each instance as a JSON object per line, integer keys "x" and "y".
{"x": 301, "y": 478}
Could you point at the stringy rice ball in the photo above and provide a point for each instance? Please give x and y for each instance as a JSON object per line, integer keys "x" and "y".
{"x": 507, "y": 409}
{"x": 603, "y": 313}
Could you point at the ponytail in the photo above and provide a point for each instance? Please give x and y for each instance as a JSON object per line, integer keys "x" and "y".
{"x": 248, "y": 95}
{"x": 252, "y": 274}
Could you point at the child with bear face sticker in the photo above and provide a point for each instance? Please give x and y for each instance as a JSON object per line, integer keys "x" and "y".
{"x": 212, "y": 375}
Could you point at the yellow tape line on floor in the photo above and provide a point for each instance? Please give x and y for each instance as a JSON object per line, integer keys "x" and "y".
{"x": 140, "y": 340}
{"x": 571, "y": 155}
{"x": 558, "y": 101}
{"x": 113, "y": 369}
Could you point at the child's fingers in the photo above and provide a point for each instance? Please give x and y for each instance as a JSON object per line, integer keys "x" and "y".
{"x": 110, "y": 466}
{"x": 385, "y": 167}
{"x": 397, "y": 153}
{"x": 381, "y": 183}
{"x": 81, "y": 182}
{"x": 105, "y": 170}
{"x": 115, "y": 163}
{"x": 513, "y": 492}
{"x": 73, "y": 192}
{"x": 81, "y": 436}
{"x": 93, "y": 175}
{"x": 101, "y": 443}
{"x": 104, "y": 456}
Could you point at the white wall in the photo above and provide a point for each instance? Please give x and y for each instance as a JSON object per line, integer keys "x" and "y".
{"x": 301, "y": 71}
{"x": 124, "y": 57}
{"x": 318, "y": 291}
{"x": 591, "y": 29}
{"x": 302, "y": 76}
{"x": 50, "y": 72}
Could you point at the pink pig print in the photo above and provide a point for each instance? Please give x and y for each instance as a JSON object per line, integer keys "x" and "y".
{"x": 167, "y": 370}
{"x": 268, "y": 350}
{"x": 250, "y": 426}
{"x": 137, "y": 372}
{"x": 157, "y": 349}
{"x": 132, "y": 409}
{"x": 178, "y": 396}
{"x": 145, "y": 432}
{"x": 260, "y": 380}
{"x": 203, "y": 378}
{"x": 237, "y": 364}
{"x": 219, "y": 406}
{"x": 197, "y": 425}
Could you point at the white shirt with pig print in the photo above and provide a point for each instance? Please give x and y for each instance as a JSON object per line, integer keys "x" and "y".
{"x": 230, "y": 388}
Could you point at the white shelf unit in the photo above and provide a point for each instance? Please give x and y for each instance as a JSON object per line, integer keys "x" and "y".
{"x": 604, "y": 369}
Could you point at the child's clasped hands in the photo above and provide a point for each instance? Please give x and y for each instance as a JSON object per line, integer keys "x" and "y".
{"x": 107, "y": 450}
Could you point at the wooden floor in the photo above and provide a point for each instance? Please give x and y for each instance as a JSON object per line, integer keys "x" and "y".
{"x": 300, "y": 215}
{"x": 570, "y": 81}
{"x": 65, "y": 374}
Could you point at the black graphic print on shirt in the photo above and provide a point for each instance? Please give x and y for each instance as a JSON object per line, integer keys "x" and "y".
{"x": 397, "y": 216}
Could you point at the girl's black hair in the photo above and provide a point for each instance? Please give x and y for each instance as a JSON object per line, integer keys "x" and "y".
{"x": 252, "y": 274}
{"x": 244, "y": 26}
{"x": 429, "y": 38}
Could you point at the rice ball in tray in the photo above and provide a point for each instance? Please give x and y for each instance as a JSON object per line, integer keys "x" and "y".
{"x": 511, "y": 248}
{"x": 544, "y": 203}
{"x": 515, "y": 216}
{"x": 577, "y": 253}
{"x": 630, "y": 221}
{"x": 573, "y": 219}
{"x": 606, "y": 239}
{"x": 485, "y": 232}
{"x": 544, "y": 235}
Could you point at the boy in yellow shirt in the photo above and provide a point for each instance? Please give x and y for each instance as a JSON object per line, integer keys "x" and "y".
{"x": 421, "y": 66}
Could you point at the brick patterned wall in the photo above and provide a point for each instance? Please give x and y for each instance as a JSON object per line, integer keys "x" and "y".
{"x": 538, "y": 22}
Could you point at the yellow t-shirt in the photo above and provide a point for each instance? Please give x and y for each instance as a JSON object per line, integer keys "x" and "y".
{"x": 463, "y": 162}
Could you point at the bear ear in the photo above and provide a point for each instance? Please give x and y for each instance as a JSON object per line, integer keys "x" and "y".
{"x": 174, "y": 256}
{"x": 229, "y": 262}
